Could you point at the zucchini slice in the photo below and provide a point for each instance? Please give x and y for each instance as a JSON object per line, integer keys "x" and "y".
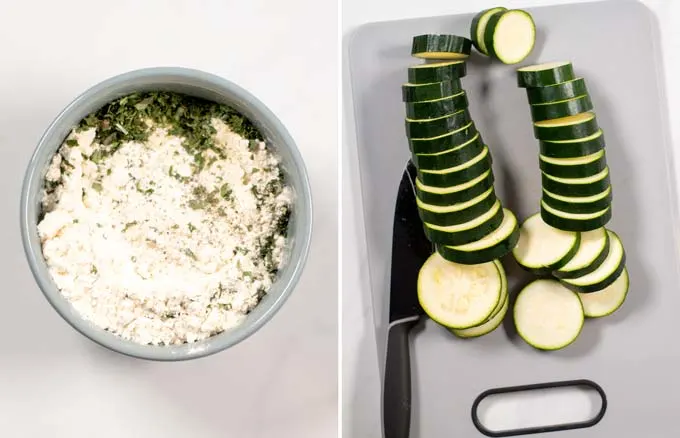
{"x": 454, "y": 194}
{"x": 553, "y": 93}
{"x": 489, "y": 325}
{"x": 436, "y": 90}
{"x": 455, "y": 214}
{"x": 509, "y": 36}
{"x": 441, "y": 47}
{"x": 577, "y": 147}
{"x": 606, "y": 273}
{"x": 608, "y": 300}
{"x": 548, "y": 316}
{"x": 458, "y": 296}
{"x": 577, "y": 167}
{"x": 436, "y": 72}
{"x": 428, "y": 128}
{"x": 592, "y": 252}
{"x": 467, "y": 232}
{"x": 542, "y": 248}
{"x": 562, "y": 108}
{"x": 452, "y": 157}
{"x": 430, "y": 109}
{"x": 490, "y": 247}
{"x": 543, "y": 75}
{"x": 567, "y": 128}
{"x": 442, "y": 142}
{"x": 575, "y": 221}
{"x": 460, "y": 174}
{"x": 478, "y": 25}
{"x": 579, "y": 204}
{"x": 588, "y": 186}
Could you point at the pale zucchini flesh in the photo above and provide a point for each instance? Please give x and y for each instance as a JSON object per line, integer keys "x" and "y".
{"x": 548, "y": 316}
{"x": 607, "y": 273}
{"x": 608, "y": 300}
{"x": 458, "y": 296}
{"x": 542, "y": 248}
{"x": 591, "y": 253}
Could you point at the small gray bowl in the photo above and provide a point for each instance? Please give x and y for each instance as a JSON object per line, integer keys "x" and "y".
{"x": 199, "y": 84}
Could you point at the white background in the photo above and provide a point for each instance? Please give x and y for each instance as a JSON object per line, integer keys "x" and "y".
{"x": 360, "y": 380}
{"x": 280, "y": 382}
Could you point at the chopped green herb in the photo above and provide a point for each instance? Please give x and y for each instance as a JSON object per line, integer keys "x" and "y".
{"x": 192, "y": 228}
{"x": 128, "y": 225}
{"x": 189, "y": 253}
{"x": 97, "y": 186}
{"x": 93, "y": 270}
{"x": 72, "y": 142}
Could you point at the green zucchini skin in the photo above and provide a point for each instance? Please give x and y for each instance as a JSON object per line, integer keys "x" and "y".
{"x": 569, "y": 132}
{"x": 489, "y": 31}
{"x": 561, "y": 109}
{"x": 543, "y": 78}
{"x": 596, "y": 287}
{"x": 424, "y": 92}
{"x": 431, "y": 43}
{"x": 495, "y": 252}
{"x": 437, "y": 73}
{"x": 570, "y": 189}
{"x": 572, "y": 149}
{"x": 557, "y": 92}
{"x": 460, "y": 216}
{"x": 458, "y": 176}
{"x": 578, "y": 207}
{"x": 582, "y": 170}
{"x": 443, "y": 142}
{"x": 457, "y": 196}
{"x": 432, "y": 128}
{"x": 451, "y": 158}
{"x": 474, "y": 27}
{"x": 580, "y": 225}
{"x": 465, "y": 236}
{"x": 436, "y": 108}
{"x": 596, "y": 263}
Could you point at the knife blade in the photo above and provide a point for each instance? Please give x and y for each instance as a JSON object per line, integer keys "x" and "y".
{"x": 410, "y": 249}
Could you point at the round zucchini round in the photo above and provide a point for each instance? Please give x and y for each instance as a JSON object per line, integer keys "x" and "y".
{"x": 456, "y": 213}
{"x": 432, "y": 109}
{"x": 574, "y": 221}
{"x": 575, "y": 148}
{"x": 450, "y": 158}
{"x": 579, "y": 167}
{"x": 588, "y": 186}
{"x": 443, "y": 142}
{"x": 436, "y": 72}
{"x": 428, "y": 129}
{"x": 460, "y": 174}
{"x": 567, "y": 128}
{"x": 608, "y": 300}
{"x": 431, "y": 46}
{"x": 553, "y": 93}
{"x": 579, "y": 204}
{"x": 478, "y": 25}
{"x": 564, "y": 108}
{"x": 454, "y": 194}
{"x": 592, "y": 252}
{"x": 466, "y": 232}
{"x": 509, "y": 36}
{"x": 543, "y": 75}
{"x": 606, "y": 274}
{"x": 434, "y": 91}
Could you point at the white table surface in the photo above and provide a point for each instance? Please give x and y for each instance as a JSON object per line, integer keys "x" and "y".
{"x": 360, "y": 379}
{"x": 280, "y": 382}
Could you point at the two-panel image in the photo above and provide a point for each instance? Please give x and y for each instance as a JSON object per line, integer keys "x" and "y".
{"x": 338, "y": 219}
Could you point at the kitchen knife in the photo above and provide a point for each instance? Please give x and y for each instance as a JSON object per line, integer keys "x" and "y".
{"x": 410, "y": 249}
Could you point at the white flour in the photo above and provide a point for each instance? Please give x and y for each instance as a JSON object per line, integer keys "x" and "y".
{"x": 145, "y": 245}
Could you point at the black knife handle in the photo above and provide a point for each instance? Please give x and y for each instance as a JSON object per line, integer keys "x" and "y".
{"x": 397, "y": 383}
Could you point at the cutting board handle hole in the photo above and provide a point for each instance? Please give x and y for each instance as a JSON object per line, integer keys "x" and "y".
{"x": 539, "y": 408}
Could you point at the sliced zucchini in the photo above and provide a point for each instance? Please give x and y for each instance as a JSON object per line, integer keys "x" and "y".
{"x": 608, "y": 300}
{"x": 588, "y": 186}
{"x": 547, "y": 315}
{"x": 543, "y": 75}
{"x": 562, "y": 108}
{"x": 542, "y": 248}
{"x": 478, "y": 25}
{"x": 579, "y": 204}
{"x": 429, "y": 128}
{"x": 575, "y": 221}
{"x": 509, "y": 36}
{"x": 433, "y": 91}
{"x": 454, "y": 194}
{"x": 441, "y": 47}
{"x": 567, "y": 128}
{"x": 578, "y": 167}
{"x": 455, "y": 214}
{"x": 430, "y": 109}
{"x": 487, "y": 327}
{"x": 458, "y": 296}
{"x": 460, "y": 174}
{"x": 490, "y": 247}
{"x": 577, "y": 147}
{"x": 553, "y": 93}
{"x": 443, "y": 142}
{"x": 436, "y": 72}
{"x": 606, "y": 273}
{"x": 467, "y": 232}
{"x": 452, "y": 157}
{"x": 592, "y": 251}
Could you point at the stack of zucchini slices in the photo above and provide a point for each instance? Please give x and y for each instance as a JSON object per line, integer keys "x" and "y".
{"x": 567, "y": 241}
{"x": 462, "y": 286}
